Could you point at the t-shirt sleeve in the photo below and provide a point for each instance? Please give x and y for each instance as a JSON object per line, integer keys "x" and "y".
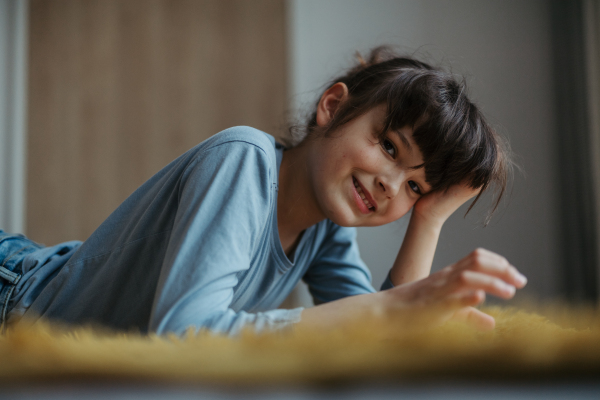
{"x": 224, "y": 203}
{"x": 387, "y": 283}
{"x": 338, "y": 271}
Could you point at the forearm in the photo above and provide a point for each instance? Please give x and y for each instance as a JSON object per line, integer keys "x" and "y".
{"x": 339, "y": 312}
{"x": 416, "y": 254}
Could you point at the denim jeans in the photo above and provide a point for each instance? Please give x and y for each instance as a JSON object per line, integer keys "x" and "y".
{"x": 13, "y": 249}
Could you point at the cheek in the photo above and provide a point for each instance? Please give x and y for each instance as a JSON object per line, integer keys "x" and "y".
{"x": 400, "y": 208}
{"x": 368, "y": 158}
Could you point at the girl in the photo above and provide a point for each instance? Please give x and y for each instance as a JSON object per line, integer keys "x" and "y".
{"x": 219, "y": 237}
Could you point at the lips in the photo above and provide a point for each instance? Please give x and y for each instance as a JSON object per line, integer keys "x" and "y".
{"x": 363, "y": 198}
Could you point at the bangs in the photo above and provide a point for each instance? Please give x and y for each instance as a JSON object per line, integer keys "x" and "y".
{"x": 457, "y": 144}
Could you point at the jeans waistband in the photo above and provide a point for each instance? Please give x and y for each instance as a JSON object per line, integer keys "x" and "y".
{"x": 13, "y": 249}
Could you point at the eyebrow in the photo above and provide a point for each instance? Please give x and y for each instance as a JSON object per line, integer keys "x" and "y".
{"x": 407, "y": 144}
{"x": 404, "y": 140}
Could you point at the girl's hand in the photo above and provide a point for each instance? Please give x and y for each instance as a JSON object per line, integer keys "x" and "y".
{"x": 452, "y": 292}
{"x": 449, "y": 294}
{"x": 436, "y": 207}
{"x": 418, "y": 247}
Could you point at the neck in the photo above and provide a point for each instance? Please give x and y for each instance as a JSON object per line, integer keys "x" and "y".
{"x": 297, "y": 208}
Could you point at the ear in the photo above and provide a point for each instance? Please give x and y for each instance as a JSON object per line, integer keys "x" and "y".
{"x": 330, "y": 102}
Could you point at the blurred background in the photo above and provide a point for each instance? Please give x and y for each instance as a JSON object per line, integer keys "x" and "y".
{"x": 97, "y": 96}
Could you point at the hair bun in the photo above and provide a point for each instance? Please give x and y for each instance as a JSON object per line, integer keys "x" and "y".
{"x": 377, "y": 55}
{"x": 360, "y": 59}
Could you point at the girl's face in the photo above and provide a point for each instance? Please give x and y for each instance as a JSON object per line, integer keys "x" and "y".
{"x": 359, "y": 180}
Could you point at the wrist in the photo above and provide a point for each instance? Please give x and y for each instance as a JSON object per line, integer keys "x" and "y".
{"x": 401, "y": 296}
{"x": 418, "y": 248}
{"x": 430, "y": 222}
{"x": 387, "y": 301}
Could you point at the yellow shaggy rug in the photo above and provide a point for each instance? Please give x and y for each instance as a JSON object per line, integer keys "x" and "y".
{"x": 522, "y": 346}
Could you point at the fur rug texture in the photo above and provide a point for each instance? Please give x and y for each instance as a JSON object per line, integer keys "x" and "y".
{"x": 524, "y": 345}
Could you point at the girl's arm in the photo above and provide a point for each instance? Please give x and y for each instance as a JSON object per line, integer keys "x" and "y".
{"x": 418, "y": 247}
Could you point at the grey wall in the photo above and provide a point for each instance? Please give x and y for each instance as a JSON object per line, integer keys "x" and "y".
{"x": 504, "y": 50}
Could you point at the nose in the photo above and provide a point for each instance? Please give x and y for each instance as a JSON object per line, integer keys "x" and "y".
{"x": 390, "y": 185}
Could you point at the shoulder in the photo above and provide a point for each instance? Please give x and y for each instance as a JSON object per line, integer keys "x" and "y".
{"x": 242, "y": 156}
{"x": 242, "y": 138}
{"x": 232, "y": 150}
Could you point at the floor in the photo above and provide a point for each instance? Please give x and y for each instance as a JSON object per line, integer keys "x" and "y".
{"x": 448, "y": 390}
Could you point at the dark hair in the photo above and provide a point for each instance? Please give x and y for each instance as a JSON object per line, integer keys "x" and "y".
{"x": 457, "y": 144}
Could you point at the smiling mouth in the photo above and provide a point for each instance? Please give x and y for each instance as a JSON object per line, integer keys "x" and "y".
{"x": 362, "y": 195}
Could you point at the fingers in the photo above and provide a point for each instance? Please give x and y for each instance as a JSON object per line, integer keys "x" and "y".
{"x": 465, "y": 298}
{"x": 471, "y": 280}
{"x": 500, "y": 267}
{"x": 437, "y": 206}
{"x": 475, "y": 318}
{"x": 459, "y": 307}
{"x": 487, "y": 262}
{"x": 453, "y": 291}
{"x": 464, "y": 191}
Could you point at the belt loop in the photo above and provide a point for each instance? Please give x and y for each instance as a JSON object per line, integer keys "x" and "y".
{"x": 9, "y": 276}
{"x": 5, "y": 308}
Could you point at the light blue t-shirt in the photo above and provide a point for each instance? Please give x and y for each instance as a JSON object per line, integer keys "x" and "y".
{"x": 196, "y": 245}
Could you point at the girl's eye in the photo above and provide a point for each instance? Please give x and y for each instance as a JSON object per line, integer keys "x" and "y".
{"x": 414, "y": 187}
{"x": 389, "y": 147}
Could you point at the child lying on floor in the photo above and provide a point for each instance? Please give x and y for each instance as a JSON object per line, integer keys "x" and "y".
{"x": 219, "y": 237}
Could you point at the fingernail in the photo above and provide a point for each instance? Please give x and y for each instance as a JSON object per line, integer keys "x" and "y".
{"x": 510, "y": 289}
{"x": 521, "y": 280}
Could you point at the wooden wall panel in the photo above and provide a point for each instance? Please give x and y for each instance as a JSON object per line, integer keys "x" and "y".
{"x": 117, "y": 89}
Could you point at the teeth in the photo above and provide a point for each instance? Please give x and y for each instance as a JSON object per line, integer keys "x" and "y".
{"x": 362, "y": 195}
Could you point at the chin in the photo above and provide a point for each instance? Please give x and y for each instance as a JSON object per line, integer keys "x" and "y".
{"x": 344, "y": 223}
{"x": 343, "y": 218}
{"x": 350, "y": 219}
{"x": 342, "y": 214}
